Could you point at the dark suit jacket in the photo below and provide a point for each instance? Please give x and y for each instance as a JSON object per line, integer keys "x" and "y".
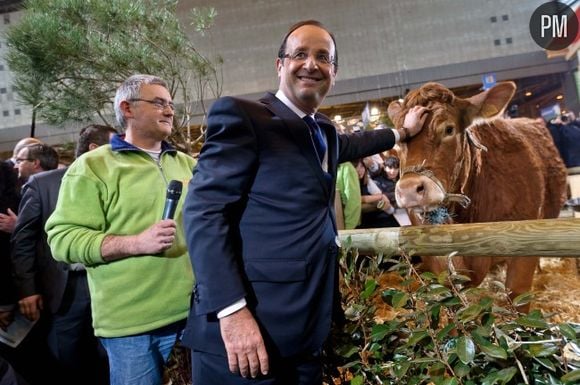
{"x": 9, "y": 198}
{"x": 259, "y": 221}
{"x": 34, "y": 269}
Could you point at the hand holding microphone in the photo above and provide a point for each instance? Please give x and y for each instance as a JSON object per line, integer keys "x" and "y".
{"x": 160, "y": 236}
{"x": 172, "y": 198}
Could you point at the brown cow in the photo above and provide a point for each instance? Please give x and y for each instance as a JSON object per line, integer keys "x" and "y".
{"x": 480, "y": 169}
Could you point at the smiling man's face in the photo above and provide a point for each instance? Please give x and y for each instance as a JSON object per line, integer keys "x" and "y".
{"x": 149, "y": 120}
{"x": 307, "y": 81}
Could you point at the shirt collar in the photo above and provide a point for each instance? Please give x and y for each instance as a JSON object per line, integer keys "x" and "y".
{"x": 284, "y": 99}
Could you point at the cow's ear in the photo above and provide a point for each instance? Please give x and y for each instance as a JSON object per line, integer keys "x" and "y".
{"x": 394, "y": 110}
{"x": 492, "y": 102}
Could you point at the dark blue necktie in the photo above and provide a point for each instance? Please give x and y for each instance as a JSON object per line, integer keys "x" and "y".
{"x": 317, "y": 137}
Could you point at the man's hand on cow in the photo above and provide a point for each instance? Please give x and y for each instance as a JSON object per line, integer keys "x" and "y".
{"x": 414, "y": 121}
{"x": 244, "y": 344}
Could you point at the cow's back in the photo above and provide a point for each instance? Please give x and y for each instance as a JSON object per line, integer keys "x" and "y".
{"x": 521, "y": 175}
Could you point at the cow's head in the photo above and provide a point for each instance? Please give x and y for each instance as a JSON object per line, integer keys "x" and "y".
{"x": 435, "y": 163}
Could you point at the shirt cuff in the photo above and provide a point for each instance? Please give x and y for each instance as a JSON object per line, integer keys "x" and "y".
{"x": 239, "y": 304}
{"x": 397, "y": 136}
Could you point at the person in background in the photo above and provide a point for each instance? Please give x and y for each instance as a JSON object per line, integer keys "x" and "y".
{"x": 348, "y": 188}
{"x": 9, "y": 199}
{"x": 377, "y": 210}
{"x": 109, "y": 218}
{"x": 32, "y": 159}
{"x": 392, "y": 169}
{"x": 260, "y": 222}
{"x": 55, "y": 290}
{"x": 8, "y": 215}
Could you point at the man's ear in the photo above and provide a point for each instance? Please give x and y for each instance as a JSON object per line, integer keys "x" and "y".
{"x": 126, "y": 109}
{"x": 92, "y": 146}
{"x": 279, "y": 65}
{"x": 36, "y": 163}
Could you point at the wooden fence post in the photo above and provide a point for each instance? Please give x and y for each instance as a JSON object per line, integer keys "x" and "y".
{"x": 544, "y": 237}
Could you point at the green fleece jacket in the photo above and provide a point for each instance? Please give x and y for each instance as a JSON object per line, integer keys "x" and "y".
{"x": 121, "y": 190}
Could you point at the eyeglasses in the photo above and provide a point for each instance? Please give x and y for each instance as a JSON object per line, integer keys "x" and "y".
{"x": 20, "y": 160}
{"x": 323, "y": 59}
{"x": 159, "y": 103}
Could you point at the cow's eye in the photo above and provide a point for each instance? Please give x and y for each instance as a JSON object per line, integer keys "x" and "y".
{"x": 449, "y": 130}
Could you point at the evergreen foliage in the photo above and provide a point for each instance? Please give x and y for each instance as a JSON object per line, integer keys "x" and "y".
{"x": 407, "y": 327}
{"x": 69, "y": 56}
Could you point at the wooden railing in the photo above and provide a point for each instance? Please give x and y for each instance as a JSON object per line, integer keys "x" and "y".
{"x": 545, "y": 237}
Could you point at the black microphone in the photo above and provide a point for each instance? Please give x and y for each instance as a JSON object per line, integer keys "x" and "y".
{"x": 173, "y": 194}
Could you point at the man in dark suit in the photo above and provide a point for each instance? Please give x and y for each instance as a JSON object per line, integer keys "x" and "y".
{"x": 260, "y": 223}
{"x": 62, "y": 289}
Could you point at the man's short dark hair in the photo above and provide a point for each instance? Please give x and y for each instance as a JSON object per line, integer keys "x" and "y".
{"x": 93, "y": 133}
{"x": 46, "y": 155}
{"x": 392, "y": 161}
{"x": 316, "y": 23}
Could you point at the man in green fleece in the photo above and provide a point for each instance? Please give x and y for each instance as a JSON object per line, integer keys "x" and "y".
{"x": 108, "y": 217}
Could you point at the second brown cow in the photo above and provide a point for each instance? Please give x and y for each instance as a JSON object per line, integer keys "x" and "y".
{"x": 479, "y": 168}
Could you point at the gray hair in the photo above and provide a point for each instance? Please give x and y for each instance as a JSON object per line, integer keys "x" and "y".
{"x": 130, "y": 89}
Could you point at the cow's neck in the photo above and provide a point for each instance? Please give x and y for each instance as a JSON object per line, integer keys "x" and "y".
{"x": 464, "y": 173}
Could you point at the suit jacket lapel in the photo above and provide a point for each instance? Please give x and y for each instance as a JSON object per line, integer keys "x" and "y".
{"x": 300, "y": 133}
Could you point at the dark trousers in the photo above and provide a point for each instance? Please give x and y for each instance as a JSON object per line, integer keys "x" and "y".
{"x": 7, "y": 374}
{"x": 71, "y": 337}
{"x": 32, "y": 359}
{"x": 211, "y": 369}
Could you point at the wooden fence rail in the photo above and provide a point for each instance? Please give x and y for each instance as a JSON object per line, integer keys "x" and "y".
{"x": 545, "y": 237}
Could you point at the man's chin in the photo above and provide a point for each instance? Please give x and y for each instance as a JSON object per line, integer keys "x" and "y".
{"x": 311, "y": 99}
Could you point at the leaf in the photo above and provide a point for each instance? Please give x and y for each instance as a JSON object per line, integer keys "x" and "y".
{"x": 465, "y": 349}
{"x": 469, "y": 313}
{"x": 461, "y": 369}
{"x": 370, "y": 286}
{"x": 459, "y": 278}
{"x": 428, "y": 276}
{"x": 436, "y": 289}
{"x": 347, "y": 350}
{"x": 543, "y": 350}
{"x": 378, "y": 332}
{"x": 388, "y": 294}
{"x": 532, "y": 322}
{"x": 358, "y": 380}
{"x": 417, "y": 336}
{"x": 400, "y": 369}
{"x": 546, "y": 363}
{"x": 499, "y": 377}
{"x": 441, "y": 334}
{"x": 523, "y": 299}
{"x": 567, "y": 331}
{"x": 488, "y": 348}
{"x": 442, "y": 277}
{"x": 400, "y": 299}
{"x": 571, "y": 378}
